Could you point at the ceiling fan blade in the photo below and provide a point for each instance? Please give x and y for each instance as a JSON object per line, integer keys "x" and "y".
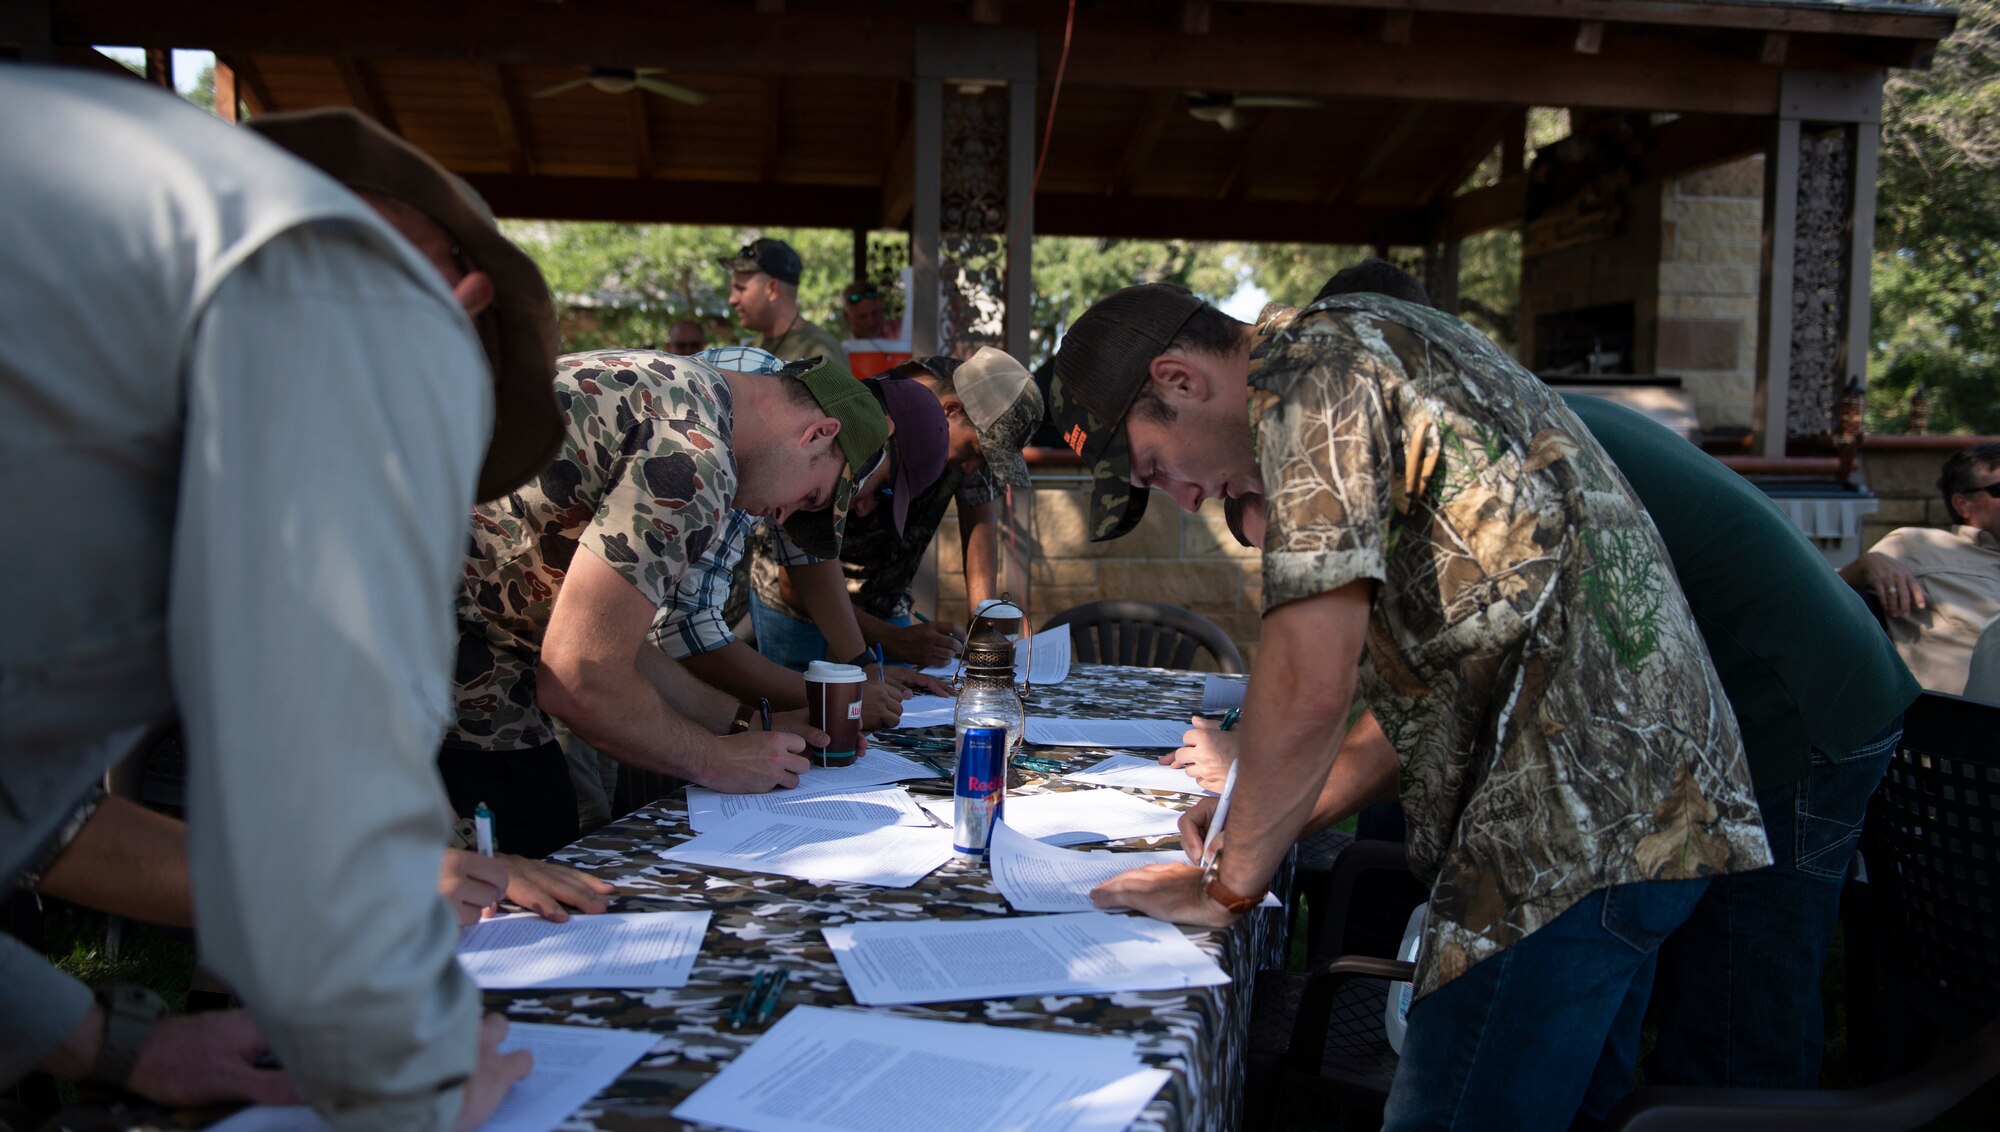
{"x": 1279, "y": 101}
{"x": 560, "y": 88}
{"x": 670, "y": 90}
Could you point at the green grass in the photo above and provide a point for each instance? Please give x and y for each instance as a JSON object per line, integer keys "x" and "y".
{"x": 147, "y": 957}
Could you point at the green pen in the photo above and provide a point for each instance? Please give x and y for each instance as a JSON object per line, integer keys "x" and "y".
{"x": 772, "y": 990}
{"x": 741, "y": 1012}
{"x": 1230, "y": 717}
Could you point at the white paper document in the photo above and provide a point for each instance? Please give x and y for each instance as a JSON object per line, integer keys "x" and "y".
{"x": 1137, "y": 773}
{"x": 893, "y": 856}
{"x": 818, "y": 1070}
{"x": 1077, "y": 817}
{"x": 927, "y": 711}
{"x": 1220, "y": 693}
{"x": 1046, "y": 661}
{"x": 1106, "y": 732}
{"x": 1035, "y": 876}
{"x": 572, "y": 1065}
{"x": 876, "y": 768}
{"x": 863, "y": 809}
{"x": 890, "y": 964}
{"x": 616, "y": 949}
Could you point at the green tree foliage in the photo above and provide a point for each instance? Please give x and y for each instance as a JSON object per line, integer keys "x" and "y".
{"x": 1936, "y": 289}
{"x": 1073, "y": 272}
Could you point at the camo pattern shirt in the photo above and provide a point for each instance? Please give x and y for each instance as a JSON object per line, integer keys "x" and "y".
{"x": 644, "y": 479}
{"x": 1558, "y": 725}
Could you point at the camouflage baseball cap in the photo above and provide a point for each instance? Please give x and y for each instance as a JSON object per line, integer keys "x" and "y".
{"x": 1005, "y": 408}
{"x": 864, "y": 430}
{"x": 1105, "y": 361}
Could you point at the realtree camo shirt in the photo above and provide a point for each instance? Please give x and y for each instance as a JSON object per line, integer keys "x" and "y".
{"x": 644, "y": 479}
{"x": 1558, "y": 725}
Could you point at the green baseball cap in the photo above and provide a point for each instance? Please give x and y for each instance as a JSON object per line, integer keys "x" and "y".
{"x": 864, "y": 430}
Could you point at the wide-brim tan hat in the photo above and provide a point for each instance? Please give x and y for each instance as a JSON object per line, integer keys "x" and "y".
{"x": 352, "y": 149}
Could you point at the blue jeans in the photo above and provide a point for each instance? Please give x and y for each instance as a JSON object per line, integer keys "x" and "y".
{"x": 1546, "y": 1032}
{"x": 786, "y": 640}
{"x": 1738, "y": 987}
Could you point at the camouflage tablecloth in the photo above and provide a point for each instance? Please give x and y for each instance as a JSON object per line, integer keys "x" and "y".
{"x": 760, "y": 920}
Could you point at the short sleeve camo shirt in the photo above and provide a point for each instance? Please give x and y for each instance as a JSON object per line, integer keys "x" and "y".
{"x": 1557, "y": 722}
{"x": 644, "y": 479}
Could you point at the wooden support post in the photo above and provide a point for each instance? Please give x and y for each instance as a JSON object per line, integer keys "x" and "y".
{"x": 860, "y": 237}
{"x": 225, "y": 92}
{"x": 1020, "y": 317}
{"x": 160, "y": 67}
{"x": 1774, "y": 301}
{"x": 922, "y": 302}
{"x": 250, "y": 88}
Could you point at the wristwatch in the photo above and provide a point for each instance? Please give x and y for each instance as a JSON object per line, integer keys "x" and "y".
{"x": 129, "y": 1014}
{"x": 1212, "y": 884}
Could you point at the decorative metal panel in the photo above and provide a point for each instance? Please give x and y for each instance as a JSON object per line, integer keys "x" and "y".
{"x": 972, "y": 221}
{"x": 1819, "y": 281}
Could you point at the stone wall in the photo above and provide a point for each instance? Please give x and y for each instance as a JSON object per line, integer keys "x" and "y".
{"x": 1187, "y": 560}
{"x": 1711, "y": 248}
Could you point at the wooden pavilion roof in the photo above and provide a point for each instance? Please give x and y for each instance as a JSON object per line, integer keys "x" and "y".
{"x": 808, "y": 119}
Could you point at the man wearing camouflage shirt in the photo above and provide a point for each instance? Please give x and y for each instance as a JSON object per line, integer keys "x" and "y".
{"x": 564, "y": 576}
{"x": 1570, "y": 767}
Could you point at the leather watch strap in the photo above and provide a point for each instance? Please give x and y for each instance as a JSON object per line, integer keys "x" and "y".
{"x": 129, "y": 1014}
{"x": 1236, "y": 904}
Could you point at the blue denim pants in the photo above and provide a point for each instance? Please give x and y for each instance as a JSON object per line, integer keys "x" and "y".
{"x": 1738, "y": 986}
{"x": 1546, "y": 1033}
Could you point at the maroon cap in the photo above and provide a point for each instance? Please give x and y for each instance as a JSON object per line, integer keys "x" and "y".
{"x": 919, "y": 445}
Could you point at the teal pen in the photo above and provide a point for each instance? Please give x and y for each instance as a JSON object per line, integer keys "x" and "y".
{"x": 482, "y": 834}
{"x": 1230, "y": 717}
{"x": 925, "y": 620}
{"x": 741, "y": 1012}
{"x": 772, "y": 990}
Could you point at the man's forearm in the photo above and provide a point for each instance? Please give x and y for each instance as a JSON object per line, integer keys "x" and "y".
{"x": 743, "y": 672}
{"x": 1363, "y": 773}
{"x": 822, "y": 591}
{"x": 873, "y": 629}
{"x": 652, "y": 713}
{"x": 128, "y": 861}
{"x": 979, "y": 541}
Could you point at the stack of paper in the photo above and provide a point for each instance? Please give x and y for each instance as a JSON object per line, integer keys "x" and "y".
{"x": 1035, "y": 877}
{"x": 876, "y": 768}
{"x": 1220, "y": 693}
{"x": 927, "y": 711}
{"x": 821, "y": 1069}
{"x": 894, "y": 856}
{"x": 1136, "y": 773}
{"x": 1105, "y": 732}
{"x": 862, "y": 809}
{"x": 617, "y": 949}
{"x": 1043, "y": 659}
{"x": 1074, "y": 817}
{"x": 572, "y": 1065}
{"x": 888, "y": 964}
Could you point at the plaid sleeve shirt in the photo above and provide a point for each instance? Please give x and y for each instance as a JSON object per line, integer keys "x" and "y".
{"x": 690, "y": 621}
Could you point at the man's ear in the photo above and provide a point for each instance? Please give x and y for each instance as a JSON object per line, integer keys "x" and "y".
{"x": 822, "y": 429}
{"x": 953, "y": 407}
{"x": 1176, "y": 378}
{"x": 474, "y": 292}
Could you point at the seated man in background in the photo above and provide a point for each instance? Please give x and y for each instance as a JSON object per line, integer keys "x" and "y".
{"x": 566, "y": 574}
{"x": 212, "y": 349}
{"x": 991, "y": 406}
{"x": 1940, "y": 589}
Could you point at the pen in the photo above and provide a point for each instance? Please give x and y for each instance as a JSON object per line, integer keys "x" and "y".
{"x": 482, "y": 834}
{"x": 1230, "y": 717}
{"x": 880, "y": 662}
{"x": 772, "y": 990}
{"x": 920, "y": 617}
{"x": 764, "y": 712}
{"x": 1221, "y": 813}
{"x": 741, "y": 1012}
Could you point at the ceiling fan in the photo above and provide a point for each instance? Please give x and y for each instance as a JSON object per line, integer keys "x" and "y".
{"x": 1223, "y": 107}
{"x": 618, "y": 80}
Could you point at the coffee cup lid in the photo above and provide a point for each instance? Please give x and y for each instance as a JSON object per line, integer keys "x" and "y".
{"x": 827, "y": 672}
{"x": 996, "y": 609}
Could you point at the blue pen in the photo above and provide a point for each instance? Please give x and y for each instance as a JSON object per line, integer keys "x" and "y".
{"x": 880, "y": 661}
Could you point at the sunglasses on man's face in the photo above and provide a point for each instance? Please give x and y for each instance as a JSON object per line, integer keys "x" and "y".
{"x": 863, "y": 293}
{"x": 1992, "y": 489}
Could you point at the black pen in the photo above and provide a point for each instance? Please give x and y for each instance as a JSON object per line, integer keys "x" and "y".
{"x": 764, "y": 712}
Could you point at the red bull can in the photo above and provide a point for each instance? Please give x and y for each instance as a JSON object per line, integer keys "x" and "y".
{"x": 980, "y": 791}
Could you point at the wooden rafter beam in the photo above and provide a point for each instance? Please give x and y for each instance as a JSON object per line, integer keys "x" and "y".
{"x": 1342, "y": 187}
{"x": 1257, "y": 143}
{"x": 642, "y": 134}
{"x": 1681, "y": 13}
{"x": 773, "y": 94}
{"x": 359, "y": 79}
{"x": 1161, "y": 106}
{"x": 249, "y": 84}
{"x": 1489, "y": 132}
{"x": 506, "y": 118}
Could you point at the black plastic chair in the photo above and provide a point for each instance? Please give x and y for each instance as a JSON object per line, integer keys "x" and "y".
{"x": 1145, "y": 634}
{"x": 1933, "y": 851}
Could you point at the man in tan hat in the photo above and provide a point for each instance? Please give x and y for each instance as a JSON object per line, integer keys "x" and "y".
{"x": 211, "y": 354}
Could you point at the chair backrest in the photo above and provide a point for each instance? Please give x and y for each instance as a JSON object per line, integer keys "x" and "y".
{"x": 1146, "y": 634}
{"x": 1936, "y": 828}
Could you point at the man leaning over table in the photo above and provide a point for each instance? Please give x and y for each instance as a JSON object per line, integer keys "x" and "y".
{"x": 1568, "y": 762}
{"x": 691, "y": 628}
{"x": 566, "y": 573}
{"x": 991, "y": 407}
{"x": 211, "y": 350}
